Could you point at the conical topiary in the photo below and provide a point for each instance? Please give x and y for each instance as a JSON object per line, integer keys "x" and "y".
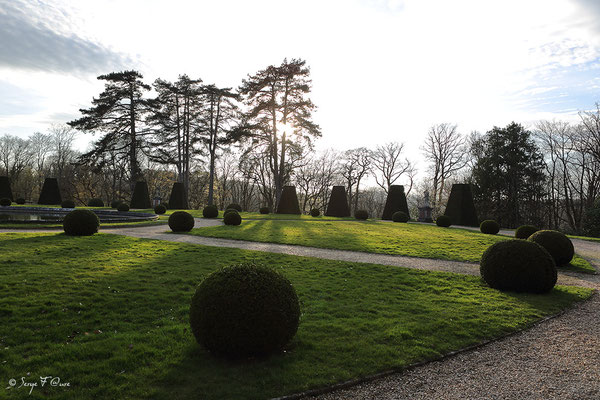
{"x": 396, "y": 201}
{"x": 288, "y": 202}
{"x": 460, "y": 207}
{"x": 338, "y": 203}
{"x": 50, "y": 194}
{"x": 5, "y": 192}
{"x": 140, "y": 197}
{"x": 178, "y": 198}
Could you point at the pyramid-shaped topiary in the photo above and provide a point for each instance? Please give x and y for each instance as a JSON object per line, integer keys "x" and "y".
{"x": 140, "y": 197}
{"x": 50, "y": 194}
{"x": 288, "y": 203}
{"x": 5, "y": 192}
{"x": 460, "y": 207}
{"x": 338, "y": 203}
{"x": 396, "y": 201}
{"x": 178, "y": 198}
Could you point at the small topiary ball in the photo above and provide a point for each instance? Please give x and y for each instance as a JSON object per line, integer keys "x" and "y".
{"x": 160, "y": 209}
{"x": 67, "y": 204}
{"x": 20, "y": 200}
{"x": 264, "y": 210}
{"x": 81, "y": 223}
{"x": 232, "y": 217}
{"x": 181, "y": 221}
{"x": 556, "y": 243}
{"x": 444, "y": 221}
{"x": 518, "y": 265}
{"x": 399, "y": 216}
{"x": 524, "y": 231}
{"x": 123, "y": 207}
{"x": 95, "y": 202}
{"x": 244, "y": 310}
{"x": 210, "y": 211}
{"x": 490, "y": 227}
{"x": 115, "y": 203}
{"x": 4, "y": 202}
{"x": 315, "y": 212}
{"x": 234, "y": 206}
{"x": 361, "y": 214}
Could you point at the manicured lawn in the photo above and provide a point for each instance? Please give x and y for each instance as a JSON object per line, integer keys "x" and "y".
{"x": 109, "y": 315}
{"x": 256, "y": 215}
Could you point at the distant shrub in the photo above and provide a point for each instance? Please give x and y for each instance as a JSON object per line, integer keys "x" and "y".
{"x": 591, "y": 223}
{"x": 181, "y": 221}
{"x": 210, "y": 211}
{"x": 264, "y": 210}
{"x": 123, "y": 207}
{"x": 232, "y": 217}
{"x": 20, "y": 200}
{"x": 244, "y": 310}
{"x": 400, "y": 216}
{"x": 160, "y": 209}
{"x": 518, "y": 265}
{"x": 444, "y": 221}
{"x": 556, "y": 243}
{"x": 67, "y": 204}
{"x": 95, "y": 202}
{"x": 4, "y": 202}
{"x": 234, "y": 206}
{"x": 115, "y": 203}
{"x": 315, "y": 212}
{"x": 81, "y": 223}
{"x": 361, "y": 214}
{"x": 524, "y": 231}
{"x": 490, "y": 227}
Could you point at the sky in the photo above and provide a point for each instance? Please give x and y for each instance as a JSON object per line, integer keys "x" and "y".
{"x": 382, "y": 70}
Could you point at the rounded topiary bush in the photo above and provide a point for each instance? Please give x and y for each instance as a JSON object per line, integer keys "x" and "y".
{"x": 4, "y": 202}
{"x": 315, "y": 212}
{"x": 264, "y": 210}
{"x": 210, "y": 211}
{"x": 160, "y": 209}
{"x": 556, "y": 243}
{"x": 123, "y": 207}
{"x": 518, "y": 265}
{"x": 524, "y": 231}
{"x": 115, "y": 203}
{"x": 444, "y": 221}
{"x": 361, "y": 214}
{"x": 400, "y": 216}
{"x": 490, "y": 227}
{"x": 181, "y": 221}
{"x": 20, "y": 200}
{"x": 95, "y": 202}
{"x": 232, "y": 217}
{"x": 234, "y": 206}
{"x": 244, "y": 310}
{"x": 67, "y": 204}
{"x": 81, "y": 223}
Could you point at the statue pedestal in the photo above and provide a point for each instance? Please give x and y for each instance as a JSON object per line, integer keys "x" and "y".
{"x": 425, "y": 214}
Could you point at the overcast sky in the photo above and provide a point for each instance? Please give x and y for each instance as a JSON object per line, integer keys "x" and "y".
{"x": 382, "y": 69}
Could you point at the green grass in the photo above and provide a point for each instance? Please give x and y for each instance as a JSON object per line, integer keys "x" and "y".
{"x": 256, "y": 215}
{"x": 109, "y": 314}
{"x": 588, "y": 238}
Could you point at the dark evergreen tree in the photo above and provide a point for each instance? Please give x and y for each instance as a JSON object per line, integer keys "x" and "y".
{"x": 396, "y": 201}
{"x": 118, "y": 113}
{"x": 288, "y": 203}
{"x": 460, "y": 207}
{"x": 5, "y": 190}
{"x": 178, "y": 199}
{"x": 140, "y": 197}
{"x": 338, "y": 203}
{"x": 50, "y": 194}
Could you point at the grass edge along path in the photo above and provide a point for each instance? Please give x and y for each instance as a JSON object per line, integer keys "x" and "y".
{"x": 109, "y": 313}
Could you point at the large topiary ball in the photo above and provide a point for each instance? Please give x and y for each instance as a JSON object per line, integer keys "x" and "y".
{"x": 181, "y": 221}
{"x": 519, "y": 266}
{"x": 490, "y": 227}
{"x": 232, "y": 217}
{"x": 210, "y": 211}
{"x": 81, "y": 223}
{"x": 160, "y": 209}
{"x": 95, "y": 202}
{"x": 4, "y": 202}
{"x": 400, "y": 216}
{"x": 244, "y": 310}
{"x": 115, "y": 203}
{"x": 557, "y": 244}
{"x": 444, "y": 221}
{"x": 264, "y": 210}
{"x": 123, "y": 207}
{"x": 20, "y": 200}
{"x": 524, "y": 231}
{"x": 67, "y": 204}
{"x": 315, "y": 212}
{"x": 234, "y": 206}
{"x": 361, "y": 214}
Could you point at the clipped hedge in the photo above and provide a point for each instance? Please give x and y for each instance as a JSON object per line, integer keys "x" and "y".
{"x": 524, "y": 231}
{"x": 338, "y": 203}
{"x": 232, "y": 217}
{"x": 315, "y": 212}
{"x": 140, "y": 197}
{"x": 81, "y": 223}
{"x": 244, "y": 310}
{"x": 556, "y": 243}
{"x": 5, "y": 202}
{"x": 67, "y": 204}
{"x": 210, "y": 211}
{"x": 400, "y": 216}
{"x": 123, "y": 207}
{"x": 234, "y": 206}
{"x": 50, "y": 194}
{"x": 264, "y": 210}
{"x": 288, "y": 202}
{"x": 20, "y": 200}
{"x": 395, "y": 201}
{"x": 178, "y": 198}
{"x": 115, "y": 203}
{"x": 489, "y": 227}
{"x": 5, "y": 190}
{"x": 361, "y": 215}
{"x": 460, "y": 207}
{"x": 95, "y": 202}
{"x": 181, "y": 221}
{"x": 160, "y": 209}
{"x": 443, "y": 221}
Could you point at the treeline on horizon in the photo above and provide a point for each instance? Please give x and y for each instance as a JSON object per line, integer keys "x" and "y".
{"x": 243, "y": 145}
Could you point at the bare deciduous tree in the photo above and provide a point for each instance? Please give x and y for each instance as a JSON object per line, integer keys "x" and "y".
{"x": 389, "y": 166}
